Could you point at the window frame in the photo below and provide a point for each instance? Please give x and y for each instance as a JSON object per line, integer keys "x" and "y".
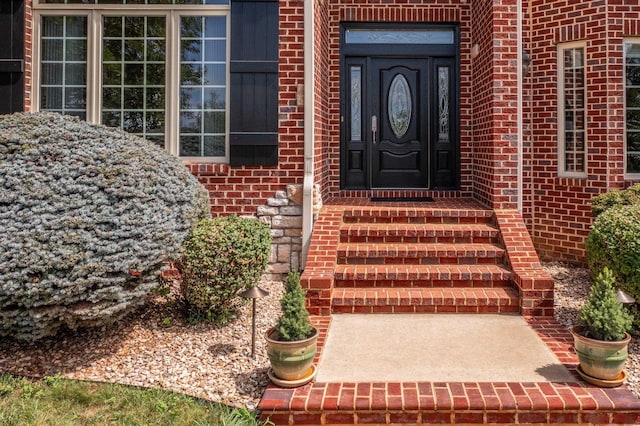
{"x": 562, "y": 167}
{"x": 625, "y": 41}
{"x": 172, "y": 14}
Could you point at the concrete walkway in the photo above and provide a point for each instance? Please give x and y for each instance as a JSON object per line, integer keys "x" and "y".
{"x": 436, "y": 348}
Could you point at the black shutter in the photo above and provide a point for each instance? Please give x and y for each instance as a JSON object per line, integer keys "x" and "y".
{"x": 253, "y": 132}
{"x": 11, "y": 56}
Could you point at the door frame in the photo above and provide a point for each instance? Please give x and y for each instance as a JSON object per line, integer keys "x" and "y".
{"x": 351, "y": 53}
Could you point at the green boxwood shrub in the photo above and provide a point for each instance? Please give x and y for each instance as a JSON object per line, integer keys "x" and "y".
{"x": 89, "y": 215}
{"x": 294, "y": 324}
{"x": 614, "y": 242}
{"x": 603, "y": 317}
{"x": 221, "y": 257}
{"x": 624, "y": 197}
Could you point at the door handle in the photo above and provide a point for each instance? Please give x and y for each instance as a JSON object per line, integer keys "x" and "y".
{"x": 374, "y": 129}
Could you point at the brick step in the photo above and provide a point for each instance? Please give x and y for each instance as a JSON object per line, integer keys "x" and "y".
{"x": 414, "y": 215}
{"x": 419, "y": 254}
{"x": 419, "y": 233}
{"x": 421, "y": 300}
{"x": 422, "y": 276}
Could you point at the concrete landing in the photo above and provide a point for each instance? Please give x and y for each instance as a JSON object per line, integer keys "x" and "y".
{"x": 436, "y": 348}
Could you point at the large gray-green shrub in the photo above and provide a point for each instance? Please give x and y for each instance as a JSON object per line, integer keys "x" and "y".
{"x": 88, "y": 217}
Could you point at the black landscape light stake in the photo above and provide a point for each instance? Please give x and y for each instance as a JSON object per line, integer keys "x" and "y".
{"x": 254, "y": 293}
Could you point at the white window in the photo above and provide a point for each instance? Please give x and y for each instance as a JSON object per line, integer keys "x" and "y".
{"x": 572, "y": 142}
{"x": 158, "y": 70}
{"x": 632, "y": 108}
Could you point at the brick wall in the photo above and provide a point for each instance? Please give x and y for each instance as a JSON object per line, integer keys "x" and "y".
{"x": 560, "y": 215}
{"x": 495, "y": 83}
{"x": 322, "y": 110}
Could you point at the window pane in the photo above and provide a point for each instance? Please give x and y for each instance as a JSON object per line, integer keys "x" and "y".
{"x": 215, "y": 74}
{"x": 214, "y": 146}
{"x": 203, "y": 79}
{"x": 189, "y": 146}
{"x": 111, "y": 118}
{"x": 134, "y": 55}
{"x": 190, "y": 98}
{"x": 443, "y": 103}
{"x": 633, "y": 141}
{"x": 64, "y": 65}
{"x": 417, "y": 36}
{"x": 51, "y": 98}
{"x": 52, "y": 50}
{"x": 633, "y": 74}
{"x": 356, "y": 103}
{"x": 633, "y": 119}
{"x": 112, "y": 98}
{"x": 52, "y": 73}
{"x": 214, "y": 98}
{"x": 633, "y": 162}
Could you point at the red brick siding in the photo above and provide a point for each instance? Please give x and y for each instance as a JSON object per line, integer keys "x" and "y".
{"x": 560, "y": 213}
{"x": 495, "y": 83}
{"x": 322, "y": 110}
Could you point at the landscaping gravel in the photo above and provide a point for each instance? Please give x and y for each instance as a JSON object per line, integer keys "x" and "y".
{"x": 155, "y": 346}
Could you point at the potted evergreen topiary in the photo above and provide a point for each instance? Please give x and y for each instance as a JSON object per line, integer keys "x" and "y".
{"x": 601, "y": 338}
{"x": 291, "y": 345}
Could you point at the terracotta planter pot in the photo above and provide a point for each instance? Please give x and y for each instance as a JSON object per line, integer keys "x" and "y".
{"x": 291, "y": 360}
{"x": 598, "y": 358}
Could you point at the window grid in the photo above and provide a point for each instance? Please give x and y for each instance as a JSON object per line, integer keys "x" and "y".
{"x": 573, "y": 111}
{"x": 132, "y": 77}
{"x": 61, "y": 91}
{"x": 632, "y": 107}
{"x": 202, "y": 86}
{"x": 214, "y": 141}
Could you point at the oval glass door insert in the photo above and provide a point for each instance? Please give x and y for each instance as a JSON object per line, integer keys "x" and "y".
{"x": 399, "y": 107}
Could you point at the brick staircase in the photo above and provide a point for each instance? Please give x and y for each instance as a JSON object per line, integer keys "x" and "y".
{"x": 444, "y": 257}
{"x": 411, "y": 260}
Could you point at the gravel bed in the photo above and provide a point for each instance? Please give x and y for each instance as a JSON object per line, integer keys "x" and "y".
{"x": 156, "y": 347}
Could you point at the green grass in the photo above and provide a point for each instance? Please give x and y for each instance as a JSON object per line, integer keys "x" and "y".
{"x": 59, "y": 402}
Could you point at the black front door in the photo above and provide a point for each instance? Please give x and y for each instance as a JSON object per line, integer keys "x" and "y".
{"x": 399, "y": 142}
{"x": 399, "y": 116}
